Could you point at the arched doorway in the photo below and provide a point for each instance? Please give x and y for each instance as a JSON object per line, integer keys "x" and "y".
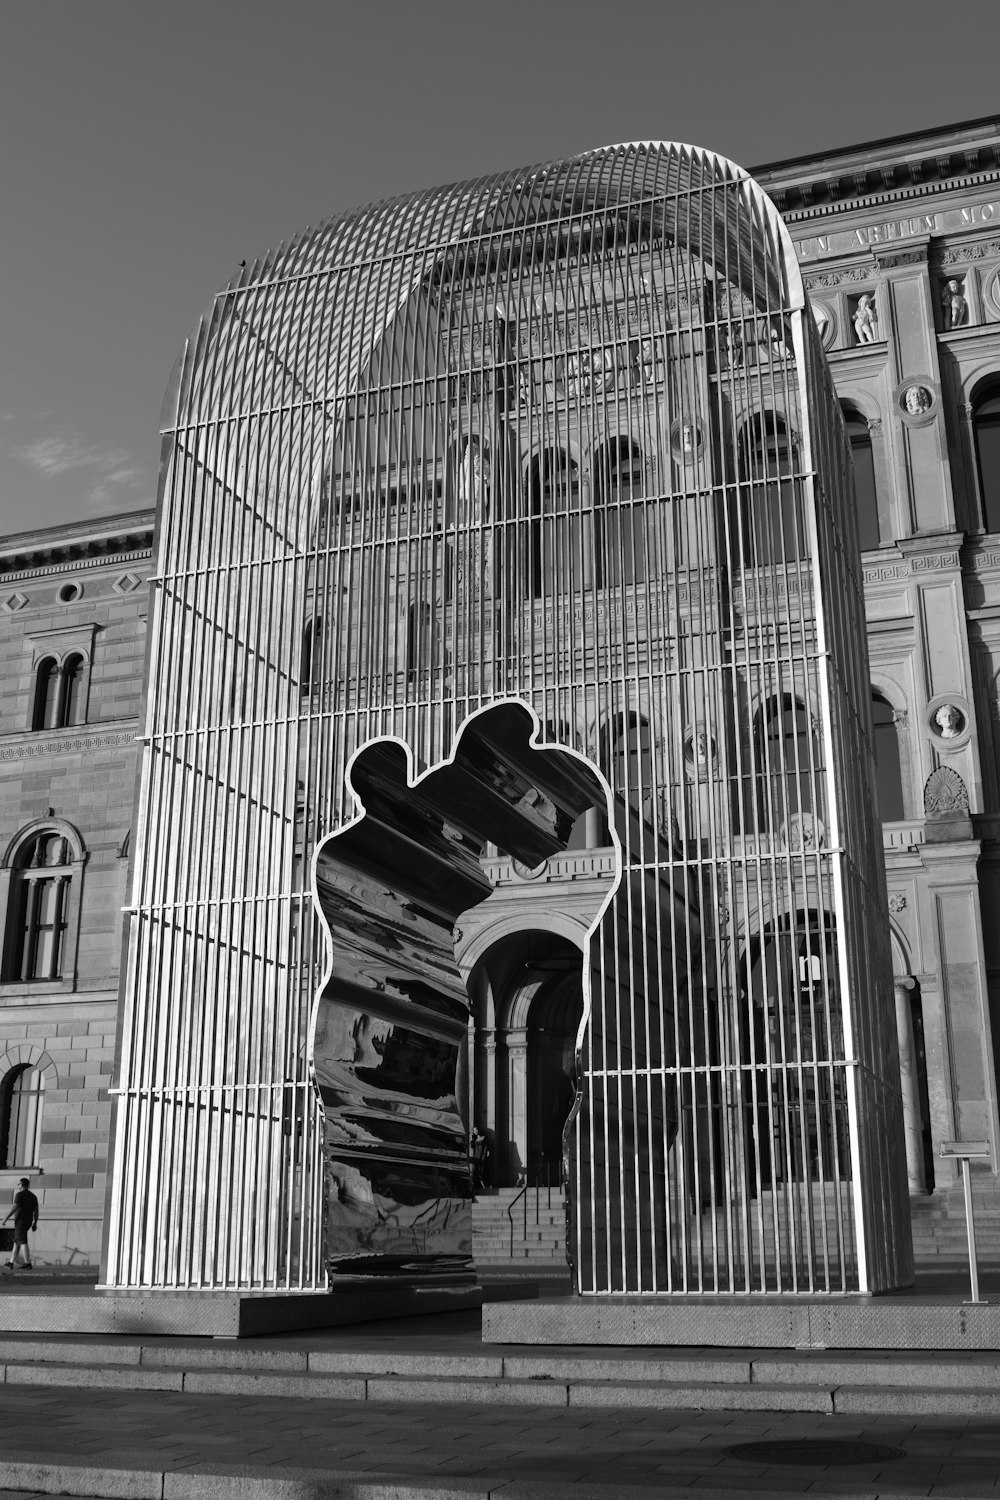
{"x": 554, "y": 1020}
{"x": 795, "y": 1103}
{"x": 527, "y": 997}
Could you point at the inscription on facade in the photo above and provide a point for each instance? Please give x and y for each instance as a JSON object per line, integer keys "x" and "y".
{"x": 899, "y": 229}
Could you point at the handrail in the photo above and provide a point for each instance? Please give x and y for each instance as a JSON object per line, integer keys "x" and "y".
{"x": 510, "y": 1214}
{"x": 522, "y": 1198}
{"x": 966, "y": 1152}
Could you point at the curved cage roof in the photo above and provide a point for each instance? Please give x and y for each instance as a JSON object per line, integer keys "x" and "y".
{"x": 301, "y": 322}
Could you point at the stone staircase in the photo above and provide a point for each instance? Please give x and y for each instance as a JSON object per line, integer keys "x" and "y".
{"x": 939, "y": 1234}
{"x": 538, "y": 1221}
{"x": 417, "y": 1367}
{"x": 520, "y": 1229}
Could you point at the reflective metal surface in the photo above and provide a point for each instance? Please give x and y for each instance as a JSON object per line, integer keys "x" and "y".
{"x": 391, "y": 1031}
{"x": 564, "y": 435}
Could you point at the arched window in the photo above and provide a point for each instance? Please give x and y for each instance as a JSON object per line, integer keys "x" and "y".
{"x": 986, "y": 426}
{"x": 553, "y": 530}
{"x": 311, "y": 642}
{"x": 627, "y": 744}
{"x": 774, "y": 521}
{"x": 46, "y": 695}
{"x": 792, "y": 1016}
{"x": 619, "y": 531}
{"x": 888, "y": 772}
{"x": 633, "y": 760}
{"x": 419, "y": 640}
{"x": 72, "y": 691}
{"x": 787, "y": 762}
{"x": 865, "y": 493}
{"x": 38, "y": 909}
{"x": 21, "y": 1093}
{"x": 58, "y": 693}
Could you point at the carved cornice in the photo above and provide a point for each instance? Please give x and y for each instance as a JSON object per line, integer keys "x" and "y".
{"x": 857, "y": 204}
{"x": 72, "y": 560}
{"x": 932, "y": 554}
{"x": 896, "y": 169}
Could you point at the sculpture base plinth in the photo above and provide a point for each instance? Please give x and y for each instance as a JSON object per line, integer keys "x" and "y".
{"x": 911, "y": 1320}
{"x": 231, "y": 1315}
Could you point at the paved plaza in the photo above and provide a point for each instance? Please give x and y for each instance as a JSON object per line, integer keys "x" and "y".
{"x": 147, "y": 1444}
{"x": 75, "y": 1436}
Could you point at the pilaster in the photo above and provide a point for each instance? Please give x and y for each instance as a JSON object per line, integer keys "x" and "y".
{"x": 957, "y": 1018}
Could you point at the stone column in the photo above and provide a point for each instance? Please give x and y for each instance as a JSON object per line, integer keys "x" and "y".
{"x": 910, "y": 1086}
{"x": 470, "y": 1105}
{"x": 517, "y": 1100}
{"x": 487, "y": 1102}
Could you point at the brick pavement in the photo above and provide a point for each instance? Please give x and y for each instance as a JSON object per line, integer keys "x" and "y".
{"x": 148, "y": 1444}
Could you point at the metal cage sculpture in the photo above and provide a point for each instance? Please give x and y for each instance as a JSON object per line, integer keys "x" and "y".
{"x": 560, "y": 444}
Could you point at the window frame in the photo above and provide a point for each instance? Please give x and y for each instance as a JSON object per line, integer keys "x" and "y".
{"x": 618, "y": 474}
{"x": 16, "y": 878}
{"x": 855, "y": 418}
{"x": 71, "y": 649}
{"x": 8, "y": 1126}
{"x": 772, "y": 525}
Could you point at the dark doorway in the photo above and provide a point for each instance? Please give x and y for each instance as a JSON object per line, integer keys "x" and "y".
{"x": 553, "y": 1024}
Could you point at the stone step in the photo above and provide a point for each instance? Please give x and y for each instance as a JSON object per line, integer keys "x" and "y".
{"x": 899, "y": 1385}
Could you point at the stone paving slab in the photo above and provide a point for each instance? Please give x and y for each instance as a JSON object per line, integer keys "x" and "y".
{"x": 145, "y": 1445}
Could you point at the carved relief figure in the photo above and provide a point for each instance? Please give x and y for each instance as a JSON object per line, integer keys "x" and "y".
{"x": 945, "y": 795}
{"x": 470, "y": 476}
{"x": 865, "y": 323}
{"x": 950, "y": 721}
{"x": 803, "y": 832}
{"x": 704, "y": 749}
{"x": 954, "y": 307}
{"x": 917, "y": 399}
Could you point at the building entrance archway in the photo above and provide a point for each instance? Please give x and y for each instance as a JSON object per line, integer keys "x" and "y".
{"x": 527, "y": 998}
{"x": 553, "y": 1025}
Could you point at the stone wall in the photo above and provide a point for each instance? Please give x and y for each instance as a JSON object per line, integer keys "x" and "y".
{"x": 77, "y": 778}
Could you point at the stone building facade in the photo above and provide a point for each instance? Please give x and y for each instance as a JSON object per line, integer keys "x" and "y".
{"x": 899, "y": 245}
{"x": 72, "y": 614}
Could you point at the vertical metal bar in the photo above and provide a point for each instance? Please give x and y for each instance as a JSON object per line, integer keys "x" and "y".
{"x": 970, "y": 1228}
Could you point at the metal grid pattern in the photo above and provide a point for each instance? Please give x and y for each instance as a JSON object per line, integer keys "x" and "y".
{"x": 563, "y": 436}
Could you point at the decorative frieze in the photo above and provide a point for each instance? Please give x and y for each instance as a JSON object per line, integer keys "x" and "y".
{"x": 932, "y": 562}
{"x": 841, "y": 278}
{"x": 886, "y": 573}
{"x": 957, "y": 255}
{"x": 889, "y": 260}
{"x": 66, "y": 745}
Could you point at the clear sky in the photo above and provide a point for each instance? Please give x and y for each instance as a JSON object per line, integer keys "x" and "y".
{"x": 148, "y": 148}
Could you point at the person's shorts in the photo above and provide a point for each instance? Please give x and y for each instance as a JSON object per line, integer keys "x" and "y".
{"x": 20, "y": 1236}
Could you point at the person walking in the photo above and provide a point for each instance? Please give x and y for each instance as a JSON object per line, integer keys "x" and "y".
{"x": 25, "y": 1216}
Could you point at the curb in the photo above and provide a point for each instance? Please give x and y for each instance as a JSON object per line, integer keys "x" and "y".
{"x": 236, "y": 1482}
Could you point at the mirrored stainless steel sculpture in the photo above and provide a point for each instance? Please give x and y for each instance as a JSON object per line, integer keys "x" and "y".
{"x": 510, "y": 516}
